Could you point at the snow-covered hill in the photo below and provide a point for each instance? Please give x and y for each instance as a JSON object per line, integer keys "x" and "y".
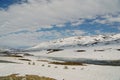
{"x": 79, "y": 41}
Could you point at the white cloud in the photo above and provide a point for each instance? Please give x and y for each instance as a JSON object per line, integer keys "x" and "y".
{"x": 25, "y": 39}
{"x": 117, "y": 19}
{"x": 33, "y": 38}
{"x": 108, "y": 19}
{"x": 42, "y": 14}
{"x": 77, "y": 23}
{"x": 37, "y": 14}
{"x": 75, "y": 32}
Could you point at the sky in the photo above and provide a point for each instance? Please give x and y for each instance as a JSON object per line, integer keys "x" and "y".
{"x": 25, "y": 23}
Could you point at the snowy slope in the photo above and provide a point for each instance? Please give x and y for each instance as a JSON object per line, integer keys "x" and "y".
{"x": 87, "y": 72}
{"x": 79, "y": 41}
{"x": 90, "y": 71}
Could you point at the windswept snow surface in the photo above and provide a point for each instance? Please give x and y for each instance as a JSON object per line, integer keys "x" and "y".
{"x": 109, "y": 53}
{"x": 88, "y": 72}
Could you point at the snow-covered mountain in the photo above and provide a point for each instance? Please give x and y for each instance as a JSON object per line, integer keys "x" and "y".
{"x": 78, "y": 41}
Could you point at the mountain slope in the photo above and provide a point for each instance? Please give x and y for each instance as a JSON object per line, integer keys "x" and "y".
{"x": 79, "y": 41}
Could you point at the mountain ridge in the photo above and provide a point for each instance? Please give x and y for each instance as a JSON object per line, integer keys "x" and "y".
{"x": 78, "y": 41}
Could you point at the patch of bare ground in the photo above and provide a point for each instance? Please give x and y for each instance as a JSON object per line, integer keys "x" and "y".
{"x": 25, "y": 59}
{"x": 4, "y": 61}
{"x": 15, "y": 55}
{"x": 10, "y": 54}
{"x": 26, "y": 77}
{"x": 43, "y": 60}
{"x": 118, "y": 49}
{"x": 68, "y": 63}
{"x": 101, "y": 50}
{"x": 27, "y": 54}
{"x": 53, "y": 50}
{"x": 80, "y": 50}
{"x": 115, "y": 62}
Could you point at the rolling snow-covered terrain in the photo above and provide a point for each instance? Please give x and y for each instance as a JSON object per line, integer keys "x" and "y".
{"x": 79, "y": 41}
{"x": 100, "y": 56}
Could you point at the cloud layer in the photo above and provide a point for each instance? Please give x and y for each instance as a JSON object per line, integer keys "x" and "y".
{"x": 39, "y": 14}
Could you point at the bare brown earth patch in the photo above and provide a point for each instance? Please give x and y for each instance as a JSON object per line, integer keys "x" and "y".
{"x": 43, "y": 60}
{"x": 26, "y": 77}
{"x": 80, "y": 50}
{"x": 68, "y": 63}
{"x": 53, "y": 50}
{"x": 25, "y": 59}
{"x": 101, "y": 50}
{"x": 118, "y": 49}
